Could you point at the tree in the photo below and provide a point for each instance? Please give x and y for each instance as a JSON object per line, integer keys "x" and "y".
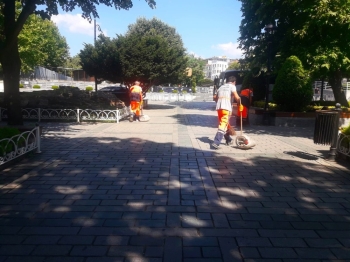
{"x": 40, "y": 43}
{"x": 10, "y": 27}
{"x": 102, "y": 60}
{"x": 149, "y": 56}
{"x": 152, "y": 60}
{"x": 170, "y": 61}
{"x": 316, "y": 31}
{"x": 73, "y": 62}
{"x": 197, "y": 66}
{"x": 235, "y": 65}
{"x": 292, "y": 90}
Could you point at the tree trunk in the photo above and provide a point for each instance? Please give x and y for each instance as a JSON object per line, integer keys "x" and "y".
{"x": 11, "y": 65}
{"x": 335, "y": 80}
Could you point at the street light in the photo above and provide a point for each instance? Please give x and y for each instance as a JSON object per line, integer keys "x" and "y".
{"x": 269, "y": 29}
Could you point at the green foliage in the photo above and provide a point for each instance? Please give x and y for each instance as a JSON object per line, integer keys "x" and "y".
{"x": 15, "y": 22}
{"x": 40, "y": 43}
{"x": 73, "y": 62}
{"x": 36, "y": 86}
{"x": 346, "y": 130}
{"x": 161, "y": 91}
{"x": 175, "y": 91}
{"x": 102, "y": 60}
{"x": 7, "y": 132}
{"x": 206, "y": 82}
{"x": 235, "y": 65}
{"x": 54, "y": 87}
{"x": 292, "y": 90}
{"x": 152, "y": 52}
{"x": 197, "y": 65}
{"x": 317, "y": 31}
{"x": 89, "y": 88}
{"x": 21, "y": 85}
{"x": 261, "y": 104}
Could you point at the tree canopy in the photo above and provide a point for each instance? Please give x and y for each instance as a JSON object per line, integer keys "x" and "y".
{"x": 197, "y": 77}
{"x": 149, "y": 56}
{"x": 316, "y": 31}
{"x": 40, "y": 43}
{"x": 11, "y": 25}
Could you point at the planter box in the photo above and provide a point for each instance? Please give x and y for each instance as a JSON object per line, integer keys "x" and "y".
{"x": 289, "y": 119}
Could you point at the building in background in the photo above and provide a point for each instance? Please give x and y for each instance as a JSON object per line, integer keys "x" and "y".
{"x": 216, "y": 65}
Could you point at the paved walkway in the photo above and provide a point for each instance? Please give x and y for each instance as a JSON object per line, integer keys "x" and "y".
{"x": 156, "y": 191}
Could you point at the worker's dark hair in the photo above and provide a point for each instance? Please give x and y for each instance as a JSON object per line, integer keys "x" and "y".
{"x": 231, "y": 79}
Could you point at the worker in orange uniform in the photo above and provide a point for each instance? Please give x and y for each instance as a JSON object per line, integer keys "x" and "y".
{"x": 246, "y": 100}
{"x": 135, "y": 101}
{"x": 224, "y": 109}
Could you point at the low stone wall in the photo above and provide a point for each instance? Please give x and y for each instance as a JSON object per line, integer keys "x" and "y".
{"x": 290, "y": 119}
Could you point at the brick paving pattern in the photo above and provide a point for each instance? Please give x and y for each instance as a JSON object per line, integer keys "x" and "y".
{"x": 156, "y": 191}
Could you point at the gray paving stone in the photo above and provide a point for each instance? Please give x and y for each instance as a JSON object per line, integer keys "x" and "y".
{"x": 172, "y": 249}
{"x": 118, "y": 202}
{"x": 276, "y": 252}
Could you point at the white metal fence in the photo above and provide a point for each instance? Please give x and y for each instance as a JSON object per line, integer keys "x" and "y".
{"x": 18, "y": 145}
{"x": 169, "y": 97}
{"x": 343, "y": 145}
{"x": 78, "y": 115}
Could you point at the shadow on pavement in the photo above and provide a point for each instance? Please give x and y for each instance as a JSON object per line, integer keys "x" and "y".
{"x": 109, "y": 199}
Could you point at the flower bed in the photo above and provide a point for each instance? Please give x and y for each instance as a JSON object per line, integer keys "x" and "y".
{"x": 289, "y": 119}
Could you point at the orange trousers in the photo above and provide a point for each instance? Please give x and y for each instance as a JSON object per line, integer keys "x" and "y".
{"x": 224, "y": 119}
{"x": 136, "y": 107}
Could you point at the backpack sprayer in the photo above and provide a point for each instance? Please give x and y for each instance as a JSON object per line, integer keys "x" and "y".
{"x": 243, "y": 141}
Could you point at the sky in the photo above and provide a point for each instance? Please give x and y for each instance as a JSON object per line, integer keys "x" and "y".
{"x": 208, "y": 28}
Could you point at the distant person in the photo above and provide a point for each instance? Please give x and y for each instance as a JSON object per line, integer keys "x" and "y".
{"x": 135, "y": 101}
{"x": 224, "y": 109}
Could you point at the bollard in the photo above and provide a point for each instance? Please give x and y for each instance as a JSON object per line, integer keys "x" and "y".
{"x": 78, "y": 115}
{"x": 38, "y": 138}
{"x": 333, "y": 149}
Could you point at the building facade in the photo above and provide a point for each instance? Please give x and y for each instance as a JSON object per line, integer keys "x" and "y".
{"x": 216, "y": 65}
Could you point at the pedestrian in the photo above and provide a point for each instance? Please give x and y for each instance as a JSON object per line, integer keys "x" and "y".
{"x": 224, "y": 109}
{"x": 135, "y": 101}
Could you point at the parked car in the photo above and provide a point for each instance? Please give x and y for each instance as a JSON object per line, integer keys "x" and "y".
{"x": 121, "y": 92}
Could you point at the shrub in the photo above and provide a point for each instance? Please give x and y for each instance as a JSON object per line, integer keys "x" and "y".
{"x": 175, "y": 91}
{"x": 7, "y": 132}
{"x": 21, "y": 85}
{"x": 55, "y": 87}
{"x": 36, "y": 86}
{"x": 292, "y": 90}
{"x": 261, "y": 104}
{"x": 89, "y": 88}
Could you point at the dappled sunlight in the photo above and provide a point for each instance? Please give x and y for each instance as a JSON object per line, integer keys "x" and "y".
{"x": 239, "y": 192}
{"x": 105, "y": 191}
{"x": 70, "y": 189}
{"x": 193, "y": 221}
{"x": 85, "y": 222}
{"x": 61, "y": 209}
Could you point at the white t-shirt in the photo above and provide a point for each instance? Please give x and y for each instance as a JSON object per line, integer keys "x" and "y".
{"x": 224, "y": 96}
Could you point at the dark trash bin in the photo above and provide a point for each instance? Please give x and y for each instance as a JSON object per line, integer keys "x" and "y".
{"x": 326, "y": 126}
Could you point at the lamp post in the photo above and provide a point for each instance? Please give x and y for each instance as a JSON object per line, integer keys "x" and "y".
{"x": 269, "y": 29}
